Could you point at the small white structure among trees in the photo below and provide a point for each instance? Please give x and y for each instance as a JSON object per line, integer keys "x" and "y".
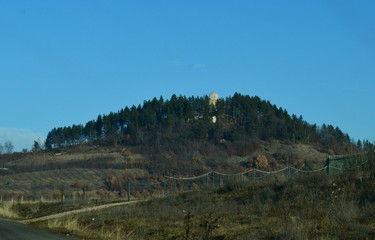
{"x": 213, "y": 99}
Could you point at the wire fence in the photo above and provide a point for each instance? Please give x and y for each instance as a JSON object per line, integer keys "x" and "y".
{"x": 174, "y": 184}
{"x": 134, "y": 189}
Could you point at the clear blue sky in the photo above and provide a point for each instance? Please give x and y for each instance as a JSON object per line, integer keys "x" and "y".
{"x": 65, "y": 62}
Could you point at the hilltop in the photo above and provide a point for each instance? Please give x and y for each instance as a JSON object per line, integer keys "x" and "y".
{"x": 183, "y": 130}
{"x": 163, "y": 124}
{"x": 179, "y": 136}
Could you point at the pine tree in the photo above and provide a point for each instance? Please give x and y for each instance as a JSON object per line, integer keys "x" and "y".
{"x": 99, "y": 127}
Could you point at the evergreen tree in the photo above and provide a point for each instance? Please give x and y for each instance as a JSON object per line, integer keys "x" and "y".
{"x": 99, "y": 127}
{"x": 89, "y": 131}
{"x": 37, "y": 147}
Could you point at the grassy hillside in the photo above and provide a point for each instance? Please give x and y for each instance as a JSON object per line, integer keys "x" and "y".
{"x": 335, "y": 204}
{"x": 305, "y": 206}
{"x": 101, "y": 172}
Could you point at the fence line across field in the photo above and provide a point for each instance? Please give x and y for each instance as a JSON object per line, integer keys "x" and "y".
{"x": 258, "y": 174}
{"x": 174, "y": 184}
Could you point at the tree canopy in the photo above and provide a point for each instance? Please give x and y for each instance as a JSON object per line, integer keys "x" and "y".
{"x": 158, "y": 122}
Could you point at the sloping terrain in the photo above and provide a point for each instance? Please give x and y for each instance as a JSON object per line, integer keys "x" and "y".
{"x": 102, "y": 172}
{"x": 306, "y": 206}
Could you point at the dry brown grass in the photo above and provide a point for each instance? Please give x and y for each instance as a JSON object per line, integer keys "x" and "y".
{"x": 50, "y": 184}
{"x": 6, "y": 210}
{"x": 297, "y": 208}
{"x": 301, "y": 207}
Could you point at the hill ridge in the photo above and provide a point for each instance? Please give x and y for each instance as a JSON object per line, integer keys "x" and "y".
{"x": 237, "y": 118}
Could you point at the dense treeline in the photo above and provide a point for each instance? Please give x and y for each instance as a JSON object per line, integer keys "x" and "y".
{"x": 160, "y": 122}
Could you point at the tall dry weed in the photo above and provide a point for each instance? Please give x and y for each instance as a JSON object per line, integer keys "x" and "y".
{"x": 116, "y": 232}
{"x": 69, "y": 224}
{"x": 6, "y": 210}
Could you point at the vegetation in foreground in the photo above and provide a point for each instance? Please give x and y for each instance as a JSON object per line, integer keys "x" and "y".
{"x": 316, "y": 206}
{"x": 188, "y": 137}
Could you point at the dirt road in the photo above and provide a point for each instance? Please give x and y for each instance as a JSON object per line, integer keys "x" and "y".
{"x": 10, "y": 230}
{"x": 63, "y": 214}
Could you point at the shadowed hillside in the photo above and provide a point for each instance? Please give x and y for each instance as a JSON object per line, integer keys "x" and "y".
{"x": 183, "y": 136}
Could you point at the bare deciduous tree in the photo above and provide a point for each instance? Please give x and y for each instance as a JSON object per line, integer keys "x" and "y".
{"x": 8, "y": 146}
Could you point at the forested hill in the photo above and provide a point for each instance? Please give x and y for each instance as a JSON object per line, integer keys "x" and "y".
{"x": 161, "y": 123}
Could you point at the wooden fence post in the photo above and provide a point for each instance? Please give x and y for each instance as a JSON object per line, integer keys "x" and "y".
{"x": 175, "y": 183}
{"x": 255, "y": 171}
{"x": 213, "y": 179}
{"x": 128, "y": 189}
{"x": 165, "y": 187}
